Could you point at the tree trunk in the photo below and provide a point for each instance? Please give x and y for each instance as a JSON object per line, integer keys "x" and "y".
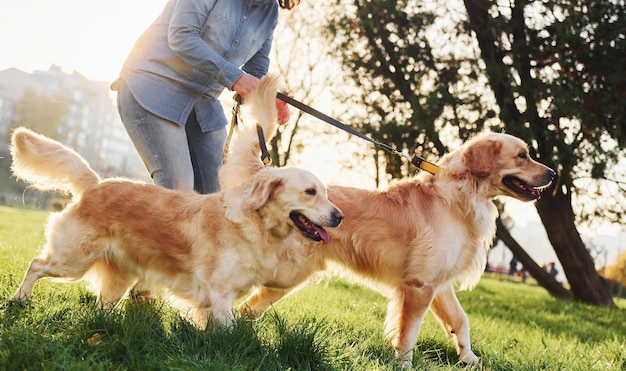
{"x": 544, "y": 279}
{"x": 557, "y": 216}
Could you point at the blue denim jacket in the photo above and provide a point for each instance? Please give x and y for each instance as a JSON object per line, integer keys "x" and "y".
{"x": 195, "y": 49}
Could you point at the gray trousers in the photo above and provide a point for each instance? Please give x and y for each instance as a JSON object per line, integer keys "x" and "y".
{"x": 177, "y": 157}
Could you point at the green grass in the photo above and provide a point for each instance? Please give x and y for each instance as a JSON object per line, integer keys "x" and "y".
{"x": 332, "y": 325}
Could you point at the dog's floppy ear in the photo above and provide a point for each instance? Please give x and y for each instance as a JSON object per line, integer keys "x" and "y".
{"x": 263, "y": 189}
{"x": 480, "y": 157}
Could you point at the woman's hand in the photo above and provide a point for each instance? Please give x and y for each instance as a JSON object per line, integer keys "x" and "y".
{"x": 245, "y": 84}
{"x": 283, "y": 111}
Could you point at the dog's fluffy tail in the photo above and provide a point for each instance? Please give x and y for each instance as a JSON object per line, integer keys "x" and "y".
{"x": 48, "y": 165}
{"x": 243, "y": 159}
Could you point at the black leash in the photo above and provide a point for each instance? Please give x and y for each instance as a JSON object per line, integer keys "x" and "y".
{"x": 416, "y": 160}
{"x": 265, "y": 154}
{"x": 234, "y": 122}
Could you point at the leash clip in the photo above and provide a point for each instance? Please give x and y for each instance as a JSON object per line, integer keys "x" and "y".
{"x": 406, "y": 156}
{"x": 421, "y": 164}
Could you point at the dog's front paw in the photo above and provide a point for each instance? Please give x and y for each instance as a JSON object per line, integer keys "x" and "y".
{"x": 404, "y": 359}
{"x": 468, "y": 358}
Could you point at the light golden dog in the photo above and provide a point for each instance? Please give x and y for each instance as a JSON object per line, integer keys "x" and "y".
{"x": 204, "y": 249}
{"x": 416, "y": 240}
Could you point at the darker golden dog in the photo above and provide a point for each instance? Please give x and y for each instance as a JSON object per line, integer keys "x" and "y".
{"x": 416, "y": 240}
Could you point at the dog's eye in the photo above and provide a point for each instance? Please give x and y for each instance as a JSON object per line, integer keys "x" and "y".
{"x": 523, "y": 155}
{"x": 311, "y": 191}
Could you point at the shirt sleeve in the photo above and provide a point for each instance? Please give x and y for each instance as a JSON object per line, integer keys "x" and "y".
{"x": 258, "y": 65}
{"x": 185, "y": 40}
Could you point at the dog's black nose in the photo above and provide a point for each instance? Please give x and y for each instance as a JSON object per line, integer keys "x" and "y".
{"x": 551, "y": 174}
{"x": 337, "y": 217}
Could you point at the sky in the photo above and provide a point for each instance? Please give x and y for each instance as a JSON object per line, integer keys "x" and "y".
{"x": 91, "y": 37}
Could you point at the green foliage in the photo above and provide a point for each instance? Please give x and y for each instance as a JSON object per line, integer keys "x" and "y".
{"x": 554, "y": 68}
{"x": 548, "y": 71}
{"x": 331, "y": 325}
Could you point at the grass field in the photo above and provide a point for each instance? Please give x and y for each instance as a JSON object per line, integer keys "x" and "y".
{"x": 332, "y": 325}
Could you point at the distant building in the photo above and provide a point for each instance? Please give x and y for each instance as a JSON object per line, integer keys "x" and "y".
{"x": 93, "y": 126}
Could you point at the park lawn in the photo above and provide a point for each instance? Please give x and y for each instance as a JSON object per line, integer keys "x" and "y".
{"x": 330, "y": 325}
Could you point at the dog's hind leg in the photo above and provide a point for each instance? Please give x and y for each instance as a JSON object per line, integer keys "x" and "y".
{"x": 34, "y": 272}
{"x": 51, "y": 263}
{"x": 405, "y": 314}
{"x": 448, "y": 311}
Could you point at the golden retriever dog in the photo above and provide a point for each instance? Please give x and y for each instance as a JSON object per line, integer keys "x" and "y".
{"x": 414, "y": 241}
{"x": 206, "y": 250}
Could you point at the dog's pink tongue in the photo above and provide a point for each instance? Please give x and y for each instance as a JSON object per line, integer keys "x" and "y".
{"x": 323, "y": 233}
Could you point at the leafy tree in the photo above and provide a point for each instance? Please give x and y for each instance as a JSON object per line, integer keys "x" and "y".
{"x": 548, "y": 71}
{"x": 552, "y": 66}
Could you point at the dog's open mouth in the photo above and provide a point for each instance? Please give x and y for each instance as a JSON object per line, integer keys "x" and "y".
{"x": 523, "y": 189}
{"x": 309, "y": 229}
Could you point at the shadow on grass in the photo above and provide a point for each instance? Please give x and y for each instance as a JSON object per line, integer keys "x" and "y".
{"x": 154, "y": 336}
